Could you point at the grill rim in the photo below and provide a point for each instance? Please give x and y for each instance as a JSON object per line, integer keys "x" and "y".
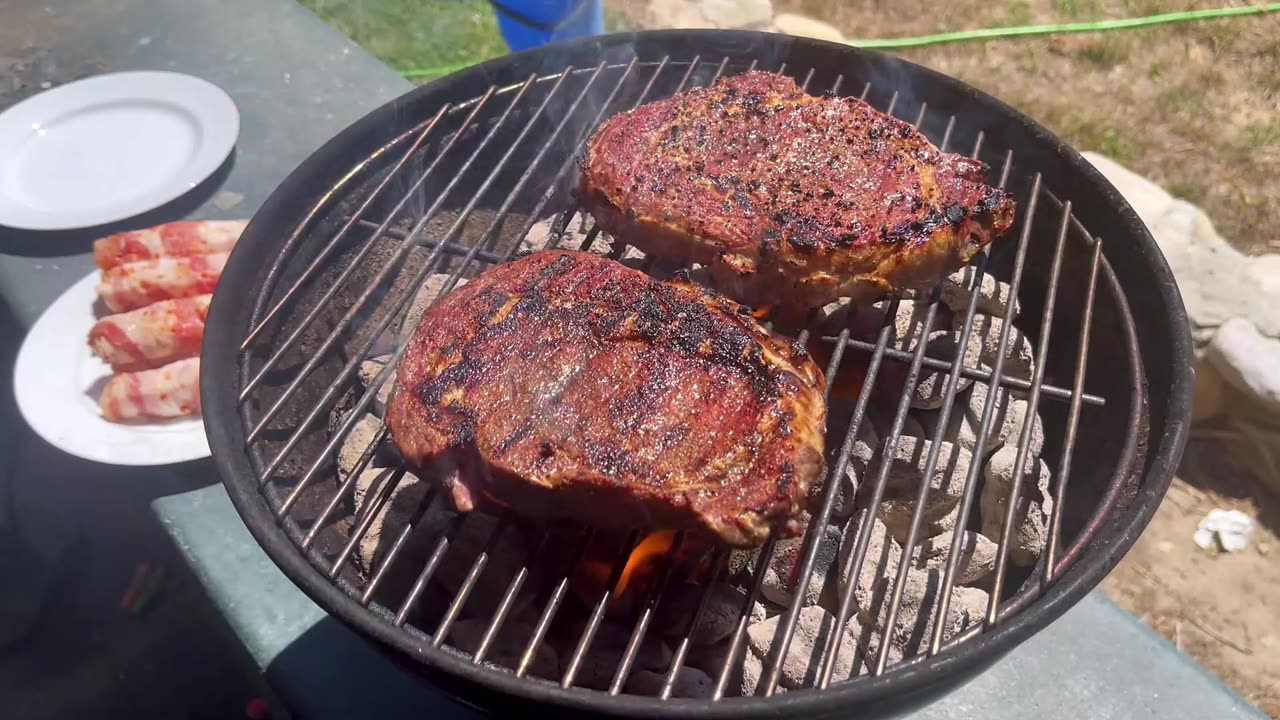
{"x": 912, "y": 682}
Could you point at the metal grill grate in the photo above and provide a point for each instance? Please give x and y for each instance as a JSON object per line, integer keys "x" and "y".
{"x": 510, "y": 152}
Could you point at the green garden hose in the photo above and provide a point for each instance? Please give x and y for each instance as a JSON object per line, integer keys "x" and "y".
{"x": 997, "y": 32}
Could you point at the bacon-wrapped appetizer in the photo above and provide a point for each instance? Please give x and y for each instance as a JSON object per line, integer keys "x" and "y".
{"x": 152, "y": 336}
{"x": 134, "y": 285}
{"x": 175, "y": 239}
{"x": 167, "y": 392}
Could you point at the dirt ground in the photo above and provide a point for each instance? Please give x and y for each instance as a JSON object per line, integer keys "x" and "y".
{"x": 1194, "y": 107}
{"x": 1220, "y": 608}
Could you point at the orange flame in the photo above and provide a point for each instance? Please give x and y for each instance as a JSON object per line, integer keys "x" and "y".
{"x": 644, "y": 559}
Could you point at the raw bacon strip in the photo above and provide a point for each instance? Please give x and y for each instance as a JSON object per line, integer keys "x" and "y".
{"x": 134, "y": 285}
{"x": 176, "y": 239}
{"x": 167, "y": 392}
{"x": 153, "y": 336}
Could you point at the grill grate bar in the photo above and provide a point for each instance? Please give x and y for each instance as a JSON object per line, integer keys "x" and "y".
{"x": 983, "y": 376}
{"x": 361, "y": 464}
{"x": 333, "y": 243}
{"x": 988, "y": 414}
{"x": 508, "y": 598}
{"x": 935, "y": 447}
{"x": 329, "y": 294}
{"x": 447, "y": 249}
{"x": 379, "y": 500}
{"x": 642, "y": 623}
{"x": 433, "y": 563}
{"x": 396, "y": 308}
{"x": 401, "y": 253}
{"x": 736, "y": 648}
{"x": 718, "y": 562}
{"x": 597, "y": 613}
{"x": 1033, "y": 406}
{"x": 813, "y": 534}
{"x": 469, "y": 583}
{"x": 1073, "y": 420}
{"x": 553, "y": 604}
{"x": 401, "y": 540}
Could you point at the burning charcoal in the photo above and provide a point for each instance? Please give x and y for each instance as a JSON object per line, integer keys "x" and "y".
{"x": 865, "y": 322}
{"x": 507, "y": 647}
{"x": 690, "y": 683}
{"x": 864, "y": 449}
{"x": 394, "y": 515}
{"x": 605, "y": 653}
{"x": 913, "y": 627}
{"x": 881, "y": 560}
{"x": 984, "y": 346}
{"x": 931, "y": 389}
{"x": 361, "y": 435}
{"x": 929, "y": 421}
{"x": 748, "y": 675}
{"x": 977, "y": 555}
{"x": 719, "y": 617}
{"x": 808, "y": 645}
{"x": 369, "y": 371}
{"x": 898, "y": 524}
{"x": 1006, "y": 423}
{"x": 881, "y": 418}
{"x": 993, "y": 295}
{"x": 427, "y": 294}
{"x": 1034, "y": 504}
{"x": 907, "y": 465}
{"x": 575, "y": 233}
{"x": 783, "y": 572}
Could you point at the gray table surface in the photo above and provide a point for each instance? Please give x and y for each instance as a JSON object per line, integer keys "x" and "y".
{"x": 1097, "y": 661}
{"x": 297, "y": 82}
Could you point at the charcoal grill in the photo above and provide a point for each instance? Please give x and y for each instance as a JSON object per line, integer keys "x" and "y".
{"x": 451, "y": 177}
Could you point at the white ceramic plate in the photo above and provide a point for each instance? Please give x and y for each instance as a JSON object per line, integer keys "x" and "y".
{"x": 58, "y": 381}
{"x": 109, "y": 147}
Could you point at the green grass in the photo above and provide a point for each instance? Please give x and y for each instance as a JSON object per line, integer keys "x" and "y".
{"x": 435, "y": 37}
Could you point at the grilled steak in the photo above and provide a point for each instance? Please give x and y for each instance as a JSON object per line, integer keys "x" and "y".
{"x": 791, "y": 199}
{"x": 567, "y": 385}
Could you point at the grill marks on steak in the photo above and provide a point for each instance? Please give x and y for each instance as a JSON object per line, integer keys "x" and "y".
{"x": 568, "y": 385}
{"x": 792, "y": 199}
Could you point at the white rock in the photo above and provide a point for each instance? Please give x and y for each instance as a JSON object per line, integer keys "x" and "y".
{"x": 808, "y": 645}
{"x": 689, "y": 683}
{"x": 993, "y": 295}
{"x": 1248, "y": 361}
{"x": 1007, "y": 422}
{"x": 803, "y": 26}
{"x": 907, "y": 465}
{"x": 1217, "y": 281}
{"x": 737, "y": 13}
{"x": 984, "y": 347}
{"x": 1035, "y": 504}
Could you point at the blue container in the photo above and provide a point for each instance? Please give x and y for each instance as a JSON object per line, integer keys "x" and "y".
{"x": 528, "y": 24}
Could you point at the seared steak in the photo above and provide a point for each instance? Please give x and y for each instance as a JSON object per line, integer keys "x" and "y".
{"x": 792, "y": 199}
{"x": 567, "y": 385}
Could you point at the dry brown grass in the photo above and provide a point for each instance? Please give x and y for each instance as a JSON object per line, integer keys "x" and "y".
{"x": 1194, "y": 107}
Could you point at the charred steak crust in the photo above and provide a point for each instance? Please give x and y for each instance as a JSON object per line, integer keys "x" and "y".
{"x": 563, "y": 384}
{"x": 791, "y": 199}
